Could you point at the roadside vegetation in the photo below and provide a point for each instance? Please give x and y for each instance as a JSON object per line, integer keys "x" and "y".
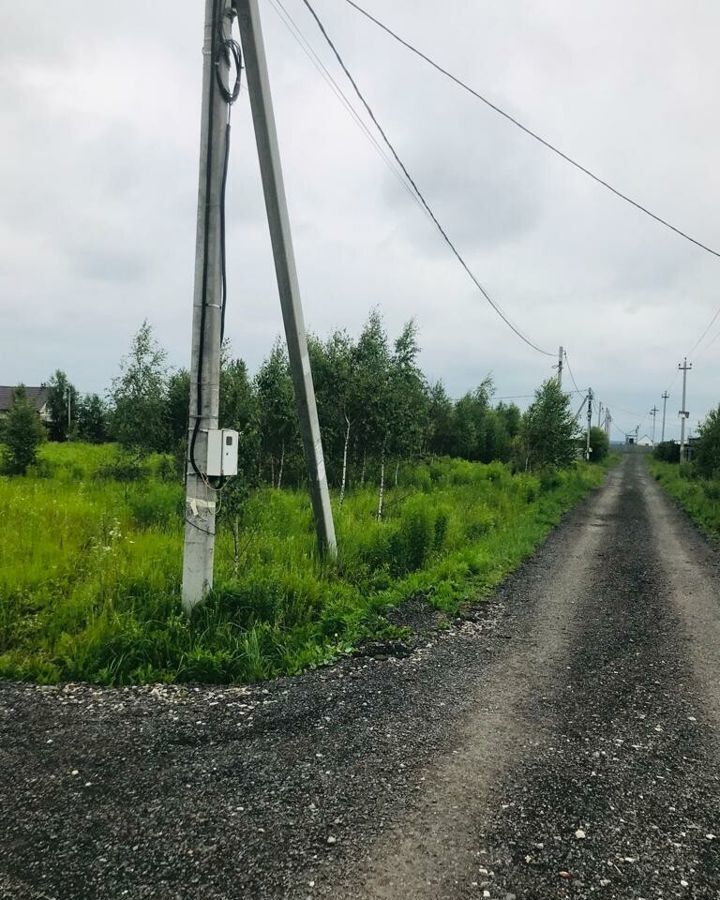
{"x": 91, "y": 565}
{"x": 695, "y": 484}
{"x": 433, "y": 498}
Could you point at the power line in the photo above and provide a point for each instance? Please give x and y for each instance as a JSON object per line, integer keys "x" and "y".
{"x": 570, "y": 373}
{"x": 529, "y": 396}
{"x": 618, "y": 429}
{"x": 531, "y": 133}
{"x": 702, "y": 336}
{"x": 627, "y": 412}
{"x": 417, "y": 190}
{"x": 707, "y": 346}
{"x": 294, "y": 29}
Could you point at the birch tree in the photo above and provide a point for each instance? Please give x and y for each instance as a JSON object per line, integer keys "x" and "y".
{"x": 372, "y": 398}
{"x": 548, "y": 434}
{"x": 276, "y": 411}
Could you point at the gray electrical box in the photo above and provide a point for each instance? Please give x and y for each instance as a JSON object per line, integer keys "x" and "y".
{"x": 222, "y": 452}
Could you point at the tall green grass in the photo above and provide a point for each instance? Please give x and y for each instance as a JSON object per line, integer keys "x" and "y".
{"x": 90, "y": 566}
{"x": 699, "y": 497}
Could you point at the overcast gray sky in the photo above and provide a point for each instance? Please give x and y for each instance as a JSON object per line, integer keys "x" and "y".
{"x": 100, "y": 110}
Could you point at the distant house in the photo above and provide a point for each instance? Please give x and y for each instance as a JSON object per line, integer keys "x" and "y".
{"x": 38, "y": 397}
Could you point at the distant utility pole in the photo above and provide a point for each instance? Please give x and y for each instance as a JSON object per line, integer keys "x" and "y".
{"x": 200, "y": 495}
{"x": 684, "y": 367}
{"x": 288, "y": 287}
{"x": 589, "y": 423}
{"x": 653, "y": 412}
{"x": 560, "y": 367}
{"x": 665, "y": 396}
{"x": 68, "y": 401}
{"x": 608, "y": 422}
{"x": 600, "y": 409}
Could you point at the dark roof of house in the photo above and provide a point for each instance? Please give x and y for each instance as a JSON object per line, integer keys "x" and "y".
{"x": 36, "y": 395}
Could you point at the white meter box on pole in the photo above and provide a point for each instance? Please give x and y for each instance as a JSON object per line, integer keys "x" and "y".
{"x": 222, "y": 452}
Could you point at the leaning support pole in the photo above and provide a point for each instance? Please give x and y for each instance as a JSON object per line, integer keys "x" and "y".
{"x": 199, "y": 549}
{"x": 267, "y": 144}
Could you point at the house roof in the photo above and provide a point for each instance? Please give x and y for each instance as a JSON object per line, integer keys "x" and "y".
{"x": 36, "y": 395}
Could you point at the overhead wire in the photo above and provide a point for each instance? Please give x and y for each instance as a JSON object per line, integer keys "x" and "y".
{"x": 702, "y": 336}
{"x": 708, "y": 346}
{"x": 533, "y": 134}
{"x": 417, "y": 190}
{"x": 295, "y": 31}
{"x": 694, "y": 347}
{"x": 570, "y": 373}
{"x": 618, "y": 429}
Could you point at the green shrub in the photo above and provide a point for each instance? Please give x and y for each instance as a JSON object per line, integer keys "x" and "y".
{"x": 156, "y": 503}
{"x": 442, "y": 522}
{"x": 599, "y": 445}
{"x": 667, "y": 451}
{"x": 707, "y": 452}
{"x": 22, "y": 433}
{"x": 698, "y": 496}
{"x": 417, "y": 534}
{"x": 126, "y": 467}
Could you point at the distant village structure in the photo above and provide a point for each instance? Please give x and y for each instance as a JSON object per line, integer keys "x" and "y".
{"x": 37, "y": 396}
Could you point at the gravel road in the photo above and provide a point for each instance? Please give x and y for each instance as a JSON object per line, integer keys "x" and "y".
{"x": 562, "y": 742}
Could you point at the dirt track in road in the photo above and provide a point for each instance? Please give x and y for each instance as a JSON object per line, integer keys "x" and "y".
{"x": 561, "y": 743}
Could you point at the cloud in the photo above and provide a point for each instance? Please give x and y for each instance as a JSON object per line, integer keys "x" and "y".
{"x": 98, "y": 176}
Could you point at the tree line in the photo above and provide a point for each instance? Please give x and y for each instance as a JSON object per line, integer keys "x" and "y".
{"x": 377, "y": 409}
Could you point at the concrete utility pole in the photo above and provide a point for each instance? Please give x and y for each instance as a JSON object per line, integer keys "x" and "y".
{"x": 684, "y": 367}
{"x": 560, "y": 367}
{"x": 665, "y": 396}
{"x": 600, "y": 409}
{"x": 200, "y": 496}
{"x": 653, "y": 412}
{"x": 278, "y": 220}
{"x": 589, "y": 421}
{"x": 608, "y": 422}
{"x": 68, "y": 401}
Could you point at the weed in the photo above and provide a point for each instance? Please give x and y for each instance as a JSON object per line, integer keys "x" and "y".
{"x": 697, "y": 496}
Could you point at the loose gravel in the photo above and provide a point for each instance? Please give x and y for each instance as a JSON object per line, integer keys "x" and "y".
{"x": 560, "y": 742}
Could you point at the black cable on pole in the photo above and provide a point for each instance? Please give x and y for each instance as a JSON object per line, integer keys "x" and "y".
{"x": 223, "y": 253}
{"x": 229, "y": 49}
{"x": 531, "y": 133}
{"x": 424, "y": 202}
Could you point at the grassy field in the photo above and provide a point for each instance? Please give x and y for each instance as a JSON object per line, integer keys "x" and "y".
{"x": 90, "y": 566}
{"x": 699, "y": 497}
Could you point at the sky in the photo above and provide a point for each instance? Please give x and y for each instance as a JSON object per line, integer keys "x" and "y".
{"x": 100, "y": 116}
